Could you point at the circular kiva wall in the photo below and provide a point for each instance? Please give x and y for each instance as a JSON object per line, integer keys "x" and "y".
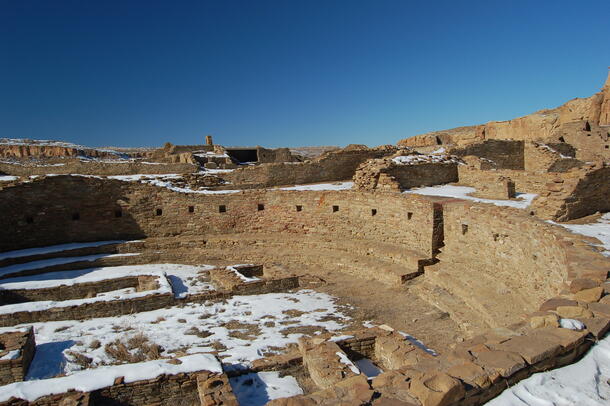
{"x": 500, "y": 262}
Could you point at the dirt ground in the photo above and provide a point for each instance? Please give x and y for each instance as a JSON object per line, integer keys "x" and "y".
{"x": 376, "y": 302}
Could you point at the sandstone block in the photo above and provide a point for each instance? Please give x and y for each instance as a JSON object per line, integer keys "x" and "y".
{"x": 438, "y": 389}
{"x": 581, "y": 284}
{"x": 546, "y": 320}
{"x": 573, "y": 312}
{"x": 531, "y": 348}
{"x": 589, "y": 295}
{"x": 599, "y": 309}
{"x": 553, "y": 303}
{"x": 505, "y": 363}
{"x": 470, "y": 373}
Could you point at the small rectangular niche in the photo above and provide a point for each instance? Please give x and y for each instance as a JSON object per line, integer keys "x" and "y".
{"x": 75, "y": 216}
{"x": 260, "y": 207}
{"x": 159, "y": 212}
{"x": 373, "y": 212}
{"x": 335, "y": 209}
{"x": 222, "y": 208}
{"x": 29, "y": 220}
{"x": 191, "y": 209}
{"x": 299, "y": 207}
{"x": 409, "y": 215}
{"x": 464, "y": 228}
{"x": 118, "y": 213}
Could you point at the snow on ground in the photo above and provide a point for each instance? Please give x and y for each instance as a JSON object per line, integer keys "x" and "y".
{"x": 368, "y": 368}
{"x": 256, "y": 389}
{"x": 322, "y": 186}
{"x": 57, "y": 248}
{"x": 123, "y": 294}
{"x": 599, "y": 230}
{"x": 582, "y": 383}
{"x": 463, "y": 192}
{"x": 435, "y": 157}
{"x": 586, "y": 382}
{"x": 241, "y": 329}
{"x": 8, "y": 178}
{"x": 93, "y": 379}
{"x": 43, "y": 263}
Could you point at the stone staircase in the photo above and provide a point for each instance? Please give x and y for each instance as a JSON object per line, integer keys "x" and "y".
{"x": 67, "y": 257}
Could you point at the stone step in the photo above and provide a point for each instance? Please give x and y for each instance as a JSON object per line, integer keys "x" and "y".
{"x": 67, "y": 250}
{"x": 481, "y": 292}
{"x": 459, "y": 311}
{"x": 72, "y": 263}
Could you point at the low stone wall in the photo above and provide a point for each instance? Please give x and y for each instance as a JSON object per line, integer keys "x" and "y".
{"x": 195, "y": 388}
{"x": 79, "y": 290}
{"x": 90, "y": 310}
{"x": 14, "y": 370}
{"x": 329, "y": 167}
{"x": 96, "y": 168}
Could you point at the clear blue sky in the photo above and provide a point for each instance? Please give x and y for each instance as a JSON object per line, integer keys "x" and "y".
{"x": 288, "y": 73}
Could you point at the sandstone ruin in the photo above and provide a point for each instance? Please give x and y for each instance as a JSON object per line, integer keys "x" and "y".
{"x": 186, "y": 274}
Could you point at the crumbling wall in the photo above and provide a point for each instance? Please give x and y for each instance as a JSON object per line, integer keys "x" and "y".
{"x": 386, "y": 174}
{"x": 329, "y": 167}
{"x": 504, "y": 154}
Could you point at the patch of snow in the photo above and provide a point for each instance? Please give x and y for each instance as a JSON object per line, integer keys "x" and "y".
{"x": 571, "y": 324}
{"x": 424, "y": 159}
{"x": 57, "y": 248}
{"x": 321, "y": 186}
{"x": 8, "y": 178}
{"x": 340, "y": 338}
{"x": 463, "y": 192}
{"x": 13, "y": 354}
{"x": 599, "y": 230}
{"x": 269, "y": 315}
{"x": 367, "y": 367}
{"x": 344, "y": 360}
{"x": 582, "y": 383}
{"x": 43, "y": 263}
{"x": 256, "y": 389}
{"x": 98, "y": 378}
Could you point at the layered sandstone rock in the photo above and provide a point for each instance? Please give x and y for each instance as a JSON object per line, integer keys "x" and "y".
{"x": 583, "y": 120}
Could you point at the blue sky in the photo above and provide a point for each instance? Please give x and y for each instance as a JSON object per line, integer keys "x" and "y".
{"x": 288, "y": 73}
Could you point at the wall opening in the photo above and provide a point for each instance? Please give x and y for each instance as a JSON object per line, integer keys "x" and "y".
{"x": 243, "y": 155}
{"x": 159, "y": 212}
{"x": 464, "y": 228}
{"x": 587, "y": 126}
{"x": 373, "y": 212}
{"x": 75, "y": 216}
{"x": 261, "y": 207}
{"x": 409, "y": 215}
{"x": 29, "y": 220}
{"x": 118, "y": 213}
{"x": 191, "y": 209}
{"x": 561, "y": 139}
{"x": 335, "y": 209}
{"x": 299, "y": 207}
{"x": 222, "y": 208}
{"x": 438, "y": 228}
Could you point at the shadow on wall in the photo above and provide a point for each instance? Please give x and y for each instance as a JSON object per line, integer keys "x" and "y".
{"x": 63, "y": 209}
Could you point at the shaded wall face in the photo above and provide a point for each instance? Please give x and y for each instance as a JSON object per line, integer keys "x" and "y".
{"x": 505, "y": 154}
{"x": 336, "y": 166}
{"x": 591, "y": 195}
{"x": 243, "y": 155}
{"x": 65, "y": 209}
{"x": 409, "y": 176}
{"x": 508, "y": 262}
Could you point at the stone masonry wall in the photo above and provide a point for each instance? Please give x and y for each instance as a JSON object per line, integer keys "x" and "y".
{"x": 330, "y": 167}
{"x": 156, "y": 212}
{"x": 76, "y": 291}
{"x": 499, "y": 261}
